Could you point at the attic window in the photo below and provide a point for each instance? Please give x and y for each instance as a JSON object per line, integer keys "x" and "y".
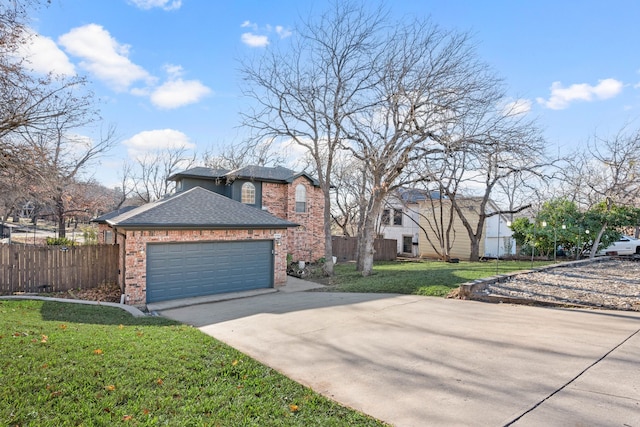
{"x": 301, "y": 198}
{"x": 248, "y": 194}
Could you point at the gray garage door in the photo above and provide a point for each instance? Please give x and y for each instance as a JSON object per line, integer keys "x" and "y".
{"x": 182, "y": 270}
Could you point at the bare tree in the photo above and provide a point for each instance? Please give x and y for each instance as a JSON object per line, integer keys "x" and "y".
{"x": 126, "y": 186}
{"x": 488, "y": 146}
{"x": 348, "y": 180}
{"x": 150, "y": 182}
{"x": 427, "y": 79}
{"x": 236, "y": 156}
{"x": 29, "y": 102}
{"x": 62, "y": 158}
{"x": 306, "y": 94}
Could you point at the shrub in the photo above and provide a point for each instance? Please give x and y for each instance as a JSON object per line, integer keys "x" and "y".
{"x": 60, "y": 241}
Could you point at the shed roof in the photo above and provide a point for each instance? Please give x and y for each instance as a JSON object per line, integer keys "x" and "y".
{"x": 197, "y": 208}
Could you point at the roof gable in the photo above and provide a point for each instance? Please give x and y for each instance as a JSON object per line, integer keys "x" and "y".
{"x": 197, "y": 208}
{"x": 251, "y": 173}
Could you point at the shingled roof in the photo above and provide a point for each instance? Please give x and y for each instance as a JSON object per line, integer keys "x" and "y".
{"x": 102, "y": 219}
{"x": 197, "y": 208}
{"x": 253, "y": 173}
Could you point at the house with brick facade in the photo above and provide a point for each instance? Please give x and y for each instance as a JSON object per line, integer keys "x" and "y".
{"x": 221, "y": 231}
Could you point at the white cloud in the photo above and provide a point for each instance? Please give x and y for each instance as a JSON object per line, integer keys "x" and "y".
{"x": 177, "y": 93}
{"x": 103, "y": 56}
{"x": 44, "y": 56}
{"x": 283, "y": 32}
{"x": 561, "y": 96}
{"x": 254, "y": 40}
{"x": 152, "y": 141}
{"x": 150, "y": 4}
{"x": 249, "y": 24}
{"x": 518, "y": 107}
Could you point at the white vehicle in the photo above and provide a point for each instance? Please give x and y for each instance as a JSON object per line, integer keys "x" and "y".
{"x": 626, "y": 245}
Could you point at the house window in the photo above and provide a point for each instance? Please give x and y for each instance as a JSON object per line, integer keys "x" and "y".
{"x": 301, "y": 198}
{"x": 397, "y": 217}
{"x": 387, "y": 219}
{"x": 248, "y": 194}
{"x": 108, "y": 237}
{"x": 407, "y": 244}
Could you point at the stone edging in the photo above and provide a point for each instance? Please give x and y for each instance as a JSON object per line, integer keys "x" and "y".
{"x": 129, "y": 308}
{"x": 473, "y": 290}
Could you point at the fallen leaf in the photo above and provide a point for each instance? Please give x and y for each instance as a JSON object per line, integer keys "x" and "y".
{"x": 234, "y": 363}
{"x": 145, "y": 411}
{"x": 97, "y": 351}
{"x": 293, "y": 408}
{"x": 44, "y": 338}
{"x": 127, "y": 418}
{"x": 159, "y": 381}
{"x": 120, "y": 326}
{"x": 110, "y": 388}
{"x": 63, "y": 326}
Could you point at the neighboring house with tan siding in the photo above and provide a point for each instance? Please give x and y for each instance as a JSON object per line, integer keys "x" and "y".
{"x": 434, "y": 216}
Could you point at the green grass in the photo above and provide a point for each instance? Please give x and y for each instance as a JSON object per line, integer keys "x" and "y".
{"x": 428, "y": 278}
{"x": 70, "y": 364}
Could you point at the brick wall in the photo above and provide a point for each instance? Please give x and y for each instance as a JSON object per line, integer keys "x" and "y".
{"x": 306, "y": 242}
{"x": 135, "y": 247}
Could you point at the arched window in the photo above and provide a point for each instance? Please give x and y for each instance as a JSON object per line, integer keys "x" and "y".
{"x": 248, "y": 194}
{"x": 301, "y": 198}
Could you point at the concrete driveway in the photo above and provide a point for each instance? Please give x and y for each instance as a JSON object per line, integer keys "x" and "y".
{"x": 419, "y": 361}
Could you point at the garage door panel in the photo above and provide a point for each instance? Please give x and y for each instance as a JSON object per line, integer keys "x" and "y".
{"x": 181, "y": 270}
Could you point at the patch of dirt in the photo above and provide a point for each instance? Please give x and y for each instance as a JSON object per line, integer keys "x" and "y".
{"x": 612, "y": 284}
{"x": 109, "y": 292}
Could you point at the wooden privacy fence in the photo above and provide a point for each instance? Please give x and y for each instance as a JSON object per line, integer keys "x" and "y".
{"x": 345, "y": 248}
{"x": 55, "y": 268}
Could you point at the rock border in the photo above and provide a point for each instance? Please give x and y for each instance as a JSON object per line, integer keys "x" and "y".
{"x": 475, "y": 290}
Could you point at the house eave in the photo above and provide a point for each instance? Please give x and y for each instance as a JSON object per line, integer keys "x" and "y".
{"x": 153, "y": 226}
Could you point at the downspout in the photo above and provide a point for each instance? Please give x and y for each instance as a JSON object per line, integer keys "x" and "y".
{"x": 123, "y": 264}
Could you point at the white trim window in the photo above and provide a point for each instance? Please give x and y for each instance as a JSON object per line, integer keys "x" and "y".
{"x": 301, "y": 198}
{"x": 248, "y": 194}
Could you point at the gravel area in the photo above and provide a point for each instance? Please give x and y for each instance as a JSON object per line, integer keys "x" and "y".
{"x": 612, "y": 284}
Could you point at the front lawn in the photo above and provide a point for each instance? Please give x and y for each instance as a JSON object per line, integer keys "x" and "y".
{"x": 73, "y": 364}
{"x": 419, "y": 277}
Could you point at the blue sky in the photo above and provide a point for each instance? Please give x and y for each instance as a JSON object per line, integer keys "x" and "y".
{"x": 166, "y": 70}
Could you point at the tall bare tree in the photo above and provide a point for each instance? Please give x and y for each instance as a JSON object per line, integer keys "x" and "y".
{"x": 248, "y": 153}
{"x": 63, "y": 157}
{"x": 426, "y": 79}
{"x": 306, "y": 93}
{"x": 29, "y": 101}
{"x": 486, "y": 146}
{"x": 152, "y": 170}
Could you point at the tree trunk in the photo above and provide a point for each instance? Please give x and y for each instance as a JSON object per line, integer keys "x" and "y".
{"x": 368, "y": 236}
{"x": 594, "y": 248}
{"x": 475, "y": 250}
{"x": 367, "y": 250}
{"x": 328, "y": 244}
{"x": 59, "y": 209}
